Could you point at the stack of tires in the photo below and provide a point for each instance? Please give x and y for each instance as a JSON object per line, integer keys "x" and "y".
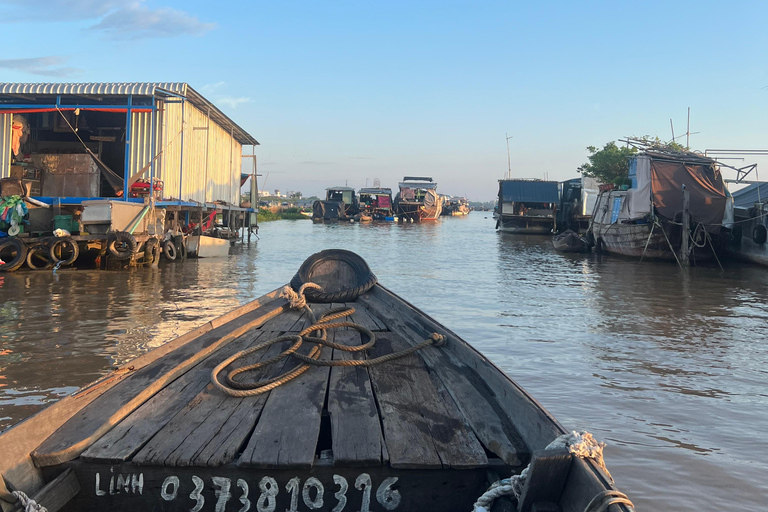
{"x": 38, "y": 255}
{"x": 175, "y": 248}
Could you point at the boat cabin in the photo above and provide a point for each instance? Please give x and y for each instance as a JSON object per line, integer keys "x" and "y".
{"x": 528, "y": 206}
{"x": 376, "y": 202}
{"x": 577, "y": 200}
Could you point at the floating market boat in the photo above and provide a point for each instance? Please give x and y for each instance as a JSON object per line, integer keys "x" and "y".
{"x": 377, "y": 407}
{"x": 646, "y": 219}
{"x": 455, "y": 206}
{"x": 418, "y": 199}
{"x": 750, "y": 228}
{"x": 376, "y": 203}
{"x": 340, "y": 204}
{"x": 528, "y": 207}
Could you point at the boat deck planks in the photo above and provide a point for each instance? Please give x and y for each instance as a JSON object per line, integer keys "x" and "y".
{"x": 130, "y": 435}
{"x": 421, "y": 429}
{"x": 355, "y": 426}
{"x": 287, "y": 432}
{"x": 204, "y": 420}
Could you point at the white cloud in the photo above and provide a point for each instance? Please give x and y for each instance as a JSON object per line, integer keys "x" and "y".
{"x": 114, "y": 18}
{"x": 44, "y": 66}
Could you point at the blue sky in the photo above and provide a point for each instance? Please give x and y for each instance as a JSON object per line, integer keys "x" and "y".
{"x": 351, "y": 91}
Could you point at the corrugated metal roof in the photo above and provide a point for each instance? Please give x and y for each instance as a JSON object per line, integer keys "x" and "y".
{"x": 416, "y": 184}
{"x": 750, "y": 195}
{"x": 124, "y": 89}
{"x": 529, "y": 191}
{"x": 375, "y": 191}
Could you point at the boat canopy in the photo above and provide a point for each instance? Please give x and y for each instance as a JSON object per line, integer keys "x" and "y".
{"x": 658, "y": 183}
{"x": 748, "y": 196}
{"x": 376, "y": 191}
{"x": 529, "y": 191}
{"x": 413, "y": 185}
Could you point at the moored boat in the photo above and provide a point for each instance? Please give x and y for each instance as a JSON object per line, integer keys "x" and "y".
{"x": 340, "y": 204}
{"x": 570, "y": 241}
{"x": 376, "y": 203}
{"x": 528, "y": 206}
{"x": 274, "y": 407}
{"x": 750, "y": 228}
{"x": 455, "y": 207}
{"x": 418, "y": 199}
{"x": 646, "y": 219}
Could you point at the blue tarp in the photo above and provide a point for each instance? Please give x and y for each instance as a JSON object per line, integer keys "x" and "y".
{"x": 752, "y": 194}
{"x": 529, "y": 191}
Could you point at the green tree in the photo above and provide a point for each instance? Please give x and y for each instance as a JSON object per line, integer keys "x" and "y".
{"x": 608, "y": 165}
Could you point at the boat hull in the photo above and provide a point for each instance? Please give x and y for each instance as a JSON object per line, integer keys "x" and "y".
{"x": 525, "y": 225}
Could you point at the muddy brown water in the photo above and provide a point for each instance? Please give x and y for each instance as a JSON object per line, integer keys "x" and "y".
{"x": 667, "y": 368}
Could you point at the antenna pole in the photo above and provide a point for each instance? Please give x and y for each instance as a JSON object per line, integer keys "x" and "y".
{"x": 688, "y": 131}
{"x": 509, "y": 160}
{"x": 673, "y": 129}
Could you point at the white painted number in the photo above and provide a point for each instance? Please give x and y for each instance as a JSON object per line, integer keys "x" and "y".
{"x": 243, "y": 485}
{"x": 293, "y": 487}
{"x": 222, "y": 493}
{"x": 269, "y": 490}
{"x": 386, "y": 496}
{"x": 363, "y": 483}
{"x": 197, "y": 494}
{"x": 340, "y": 495}
{"x": 319, "y": 490}
{"x": 173, "y": 482}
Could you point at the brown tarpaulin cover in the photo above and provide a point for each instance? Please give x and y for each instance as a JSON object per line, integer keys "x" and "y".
{"x": 704, "y": 184}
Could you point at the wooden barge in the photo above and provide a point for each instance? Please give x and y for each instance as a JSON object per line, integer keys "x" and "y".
{"x": 428, "y": 430}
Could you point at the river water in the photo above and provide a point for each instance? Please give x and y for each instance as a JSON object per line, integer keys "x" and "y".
{"x": 668, "y": 368}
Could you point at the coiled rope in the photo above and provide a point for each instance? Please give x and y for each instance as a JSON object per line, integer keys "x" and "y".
{"x": 580, "y": 444}
{"x": 237, "y": 388}
{"x": 27, "y": 503}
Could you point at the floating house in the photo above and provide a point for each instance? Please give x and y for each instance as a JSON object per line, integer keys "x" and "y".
{"x": 647, "y": 219}
{"x": 163, "y": 144}
{"x": 528, "y": 206}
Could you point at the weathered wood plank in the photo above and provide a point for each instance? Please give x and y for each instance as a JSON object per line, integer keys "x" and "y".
{"x": 362, "y": 317}
{"x": 284, "y": 322}
{"x": 206, "y": 420}
{"x": 421, "y": 428}
{"x": 288, "y": 429}
{"x": 355, "y": 427}
{"x": 99, "y": 417}
{"x": 131, "y": 434}
{"x": 546, "y": 478}
{"x": 230, "y": 488}
{"x": 374, "y": 323}
{"x": 17, "y": 443}
{"x": 493, "y": 406}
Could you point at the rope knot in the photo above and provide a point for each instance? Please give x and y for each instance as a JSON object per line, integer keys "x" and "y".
{"x": 297, "y": 299}
{"x": 438, "y": 340}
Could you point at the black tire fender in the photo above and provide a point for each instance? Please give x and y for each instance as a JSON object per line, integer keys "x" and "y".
{"x": 169, "y": 250}
{"x": 364, "y": 276}
{"x": 759, "y": 234}
{"x": 62, "y": 244}
{"x": 121, "y": 245}
{"x": 39, "y": 257}
{"x": 13, "y": 252}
